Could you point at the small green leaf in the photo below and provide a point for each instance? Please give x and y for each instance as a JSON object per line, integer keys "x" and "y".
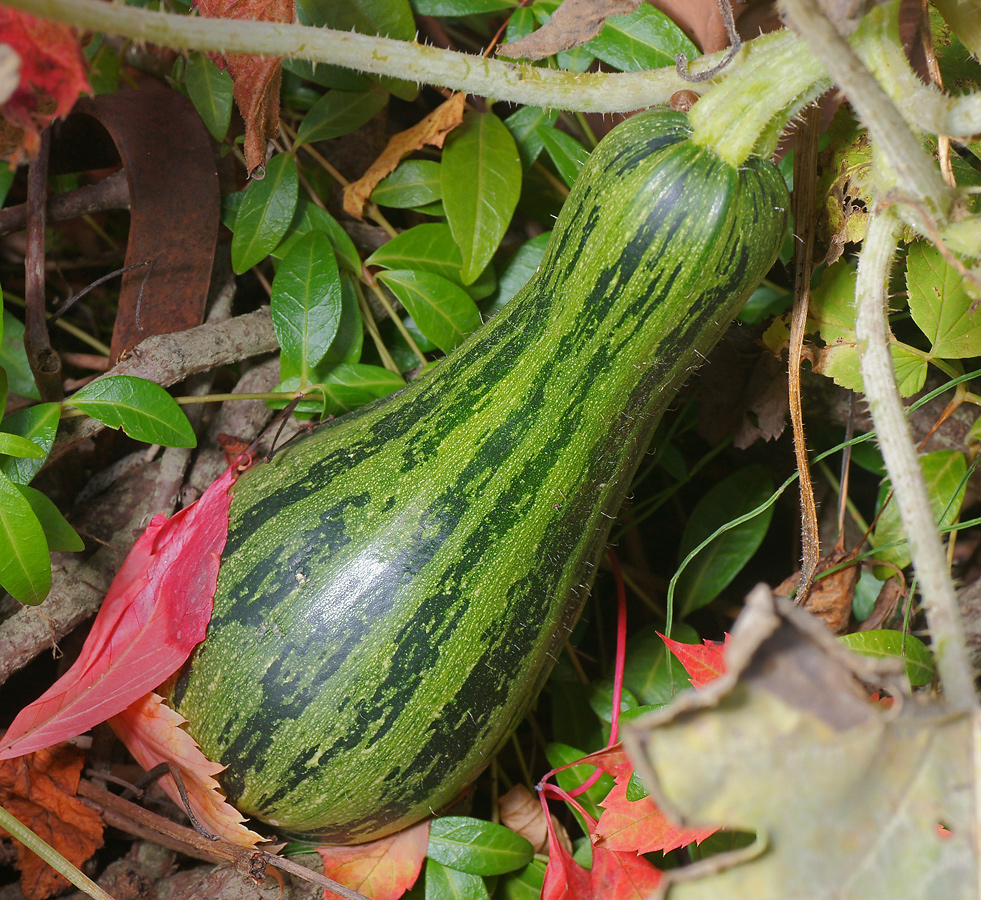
{"x": 459, "y": 8}
{"x": 443, "y": 311}
{"x": 566, "y": 152}
{"x": 652, "y": 674}
{"x": 6, "y": 179}
{"x": 38, "y": 424}
{"x": 338, "y": 113}
{"x": 943, "y": 471}
{"x": 144, "y": 410}
{"x": 940, "y": 305}
{"x": 444, "y": 883}
{"x": 601, "y": 700}
{"x": 326, "y": 75}
{"x": 481, "y": 181}
{"x": 414, "y": 183}
{"x": 526, "y": 127}
{"x": 571, "y": 778}
{"x": 866, "y": 593}
{"x": 14, "y": 445}
{"x": 306, "y": 301}
{"x": 429, "y": 247}
{"x": 524, "y": 885}
{"x": 25, "y": 566}
{"x": 717, "y": 564}
{"x": 476, "y": 846}
{"x": 265, "y": 213}
{"x": 210, "y": 90}
{"x": 58, "y": 533}
{"x": 13, "y": 358}
{"x": 642, "y": 40}
{"x": 104, "y": 71}
{"x": 3, "y": 387}
{"x": 888, "y": 644}
{"x": 347, "y": 343}
{"x": 347, "y": 386}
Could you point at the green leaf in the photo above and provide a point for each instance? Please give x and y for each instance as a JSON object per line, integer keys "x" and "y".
{"x": 6, "y": 179}
{"x": 940, "y": 305}
{"x": 349, "y": 385}
{"x": 644, "y": 39}
{"x": 3, "y": 387}
{"x": 429, "y": 247}
{"x": 210, "y": 90}
{"x": 25, "y": 566}
{"x": 710, "y": 572}
{"x": 566, "y": 152}
{"x": 866, "y": 593}
{"x": 13, "y": 358}
{"x": 306, "y": 301}
{"x": 444, "y": 883}
{"x": 524, "y": 885}
{"x": 338, "y": 113}
{"x": 889, "y": 644}
{"x": 481, "y": 181}
{"x": 459, "y": 8}
{"x": 650, "y": 672}
{"x": 347, "y": 343}
{"x": 14, "y": 445}
{"x": 144, "y": 410}
{"x": 476, "y": 846}
{"x": 326, "y": 75}
{"x": 943, "y": 471}
{"x": 38, "y": 424}
{"x": 414, "y": 183}
{"x": 526, "y": 127}
{"x": 569, "y": 779}
{"x": 518, "y": 272}
{"x": 265, "y": 213}
{"x": 443, "y": 311}
{"x": 104, "y": 71}
{"x": 601, "y": 700}
{"x": 57, "y": 532}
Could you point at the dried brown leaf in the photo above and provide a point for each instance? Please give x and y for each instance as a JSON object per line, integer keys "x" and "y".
{"x": 573, "y": 23}
{"x": 523, "y": 814}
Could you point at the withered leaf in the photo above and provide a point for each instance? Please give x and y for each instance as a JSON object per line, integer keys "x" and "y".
{"x": 572, "y": 24}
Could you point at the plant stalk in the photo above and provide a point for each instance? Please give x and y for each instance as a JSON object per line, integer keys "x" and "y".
{"x": 902, "y": 461}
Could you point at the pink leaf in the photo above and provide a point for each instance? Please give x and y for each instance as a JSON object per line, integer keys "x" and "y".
{"x": 155, "y": 613}
{"x": 381, "y": 870}
{"x": 703, "y": 663}
{"x": 152, "y": 732}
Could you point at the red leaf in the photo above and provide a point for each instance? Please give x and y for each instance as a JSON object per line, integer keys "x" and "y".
{"x": 152, "y": 732}
{"x": 703, "y": 663}
{"x": 52, "y": 75}
{"x": 256, "y": 78}
{"x": 381, "y": 870}
{"x": 156, "y": 612}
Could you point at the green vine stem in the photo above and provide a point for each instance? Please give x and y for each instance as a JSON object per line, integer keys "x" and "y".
{"x": 52, "y": 857}
{"x": 536, "y": 86}
{"x": 902, "y": 462}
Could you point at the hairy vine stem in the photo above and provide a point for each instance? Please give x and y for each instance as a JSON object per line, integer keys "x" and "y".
{"x": 902, "y": 462}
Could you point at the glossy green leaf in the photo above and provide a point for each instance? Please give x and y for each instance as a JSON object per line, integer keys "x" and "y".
{"x": 943, "y": 471}
{"x": 306, "y": 301}
{"x": 518, "y": 272}
{"x": 414, "y": 183}
{"x": 866, "y": 593}
{"x": 940, "y": 304}
{"x": 25, "y": 566}
{"x": 444, "y": 883}
{"x": 650, "y": 672}
{"x": 566, "y": 152}
{"x": 476, "y": 846}
{"x": 14, "y": 445}
{"x": 889, "y": 644}
{"x": 429, "y": 247}
{"x": 338, "y": 113}
{"x": 13, "y": 358}
{"x": 601, "y": 700}
{"x": 524, "y": 885}
{"x": 350, "y": 385}
{"x": 6, "y": 179}
{"x": 144, "y": 410}
{"x": 481, "y": 181}
{"x": 57, "y": 532}
{"x": 103, "y": 71}
{"x": 310, "y": 217}
{"x": 265, "y": 213}
{"x": 3, "y": 388}
{"x": 38, "y": 424}
{"x": 210, "y": 90}
{"x": 569, "y": 779}
{"x": 443, "y": 311}
{"x": 526, "y": 126}
{"x": 459, "y": 7}
{"x": 708, "y": 573}
{"x": 644, "y": 39}
{"x": 347, "y": 343}
{"x": 578, "y": 59}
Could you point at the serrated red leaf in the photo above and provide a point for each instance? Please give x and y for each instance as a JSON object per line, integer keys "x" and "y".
{"x": 703, "y": 662}
{"x": 52, "y": 75}
{"x": 154, "y": 734}
{"x": 381, "y": 870}
{"x": 156, "y": 611}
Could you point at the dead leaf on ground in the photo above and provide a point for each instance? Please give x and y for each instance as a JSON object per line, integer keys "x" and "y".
{"x": 846, "y": 797}
{"x": 381, "y": 870}
{"x": 572, "y": 24}
{"x": 431, "y": 130}
{"x": 39, "y": 790}
{"x": 256, "y": 78}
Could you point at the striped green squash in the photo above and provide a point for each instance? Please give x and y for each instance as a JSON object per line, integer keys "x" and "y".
{"x": 396, "y": 586}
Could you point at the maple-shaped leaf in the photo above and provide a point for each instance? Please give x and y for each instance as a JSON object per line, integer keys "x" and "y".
{"x": 154, "y": 734}
{"x": 635, "y": 825}
{"x": 381, "y": 870}
{"x": 156, "y": 611}
{"x": 256, "y": 79}
{"x": 52, "y": 75}
{"x": 703, "y": 662}
{"x": 39, "y": 790}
